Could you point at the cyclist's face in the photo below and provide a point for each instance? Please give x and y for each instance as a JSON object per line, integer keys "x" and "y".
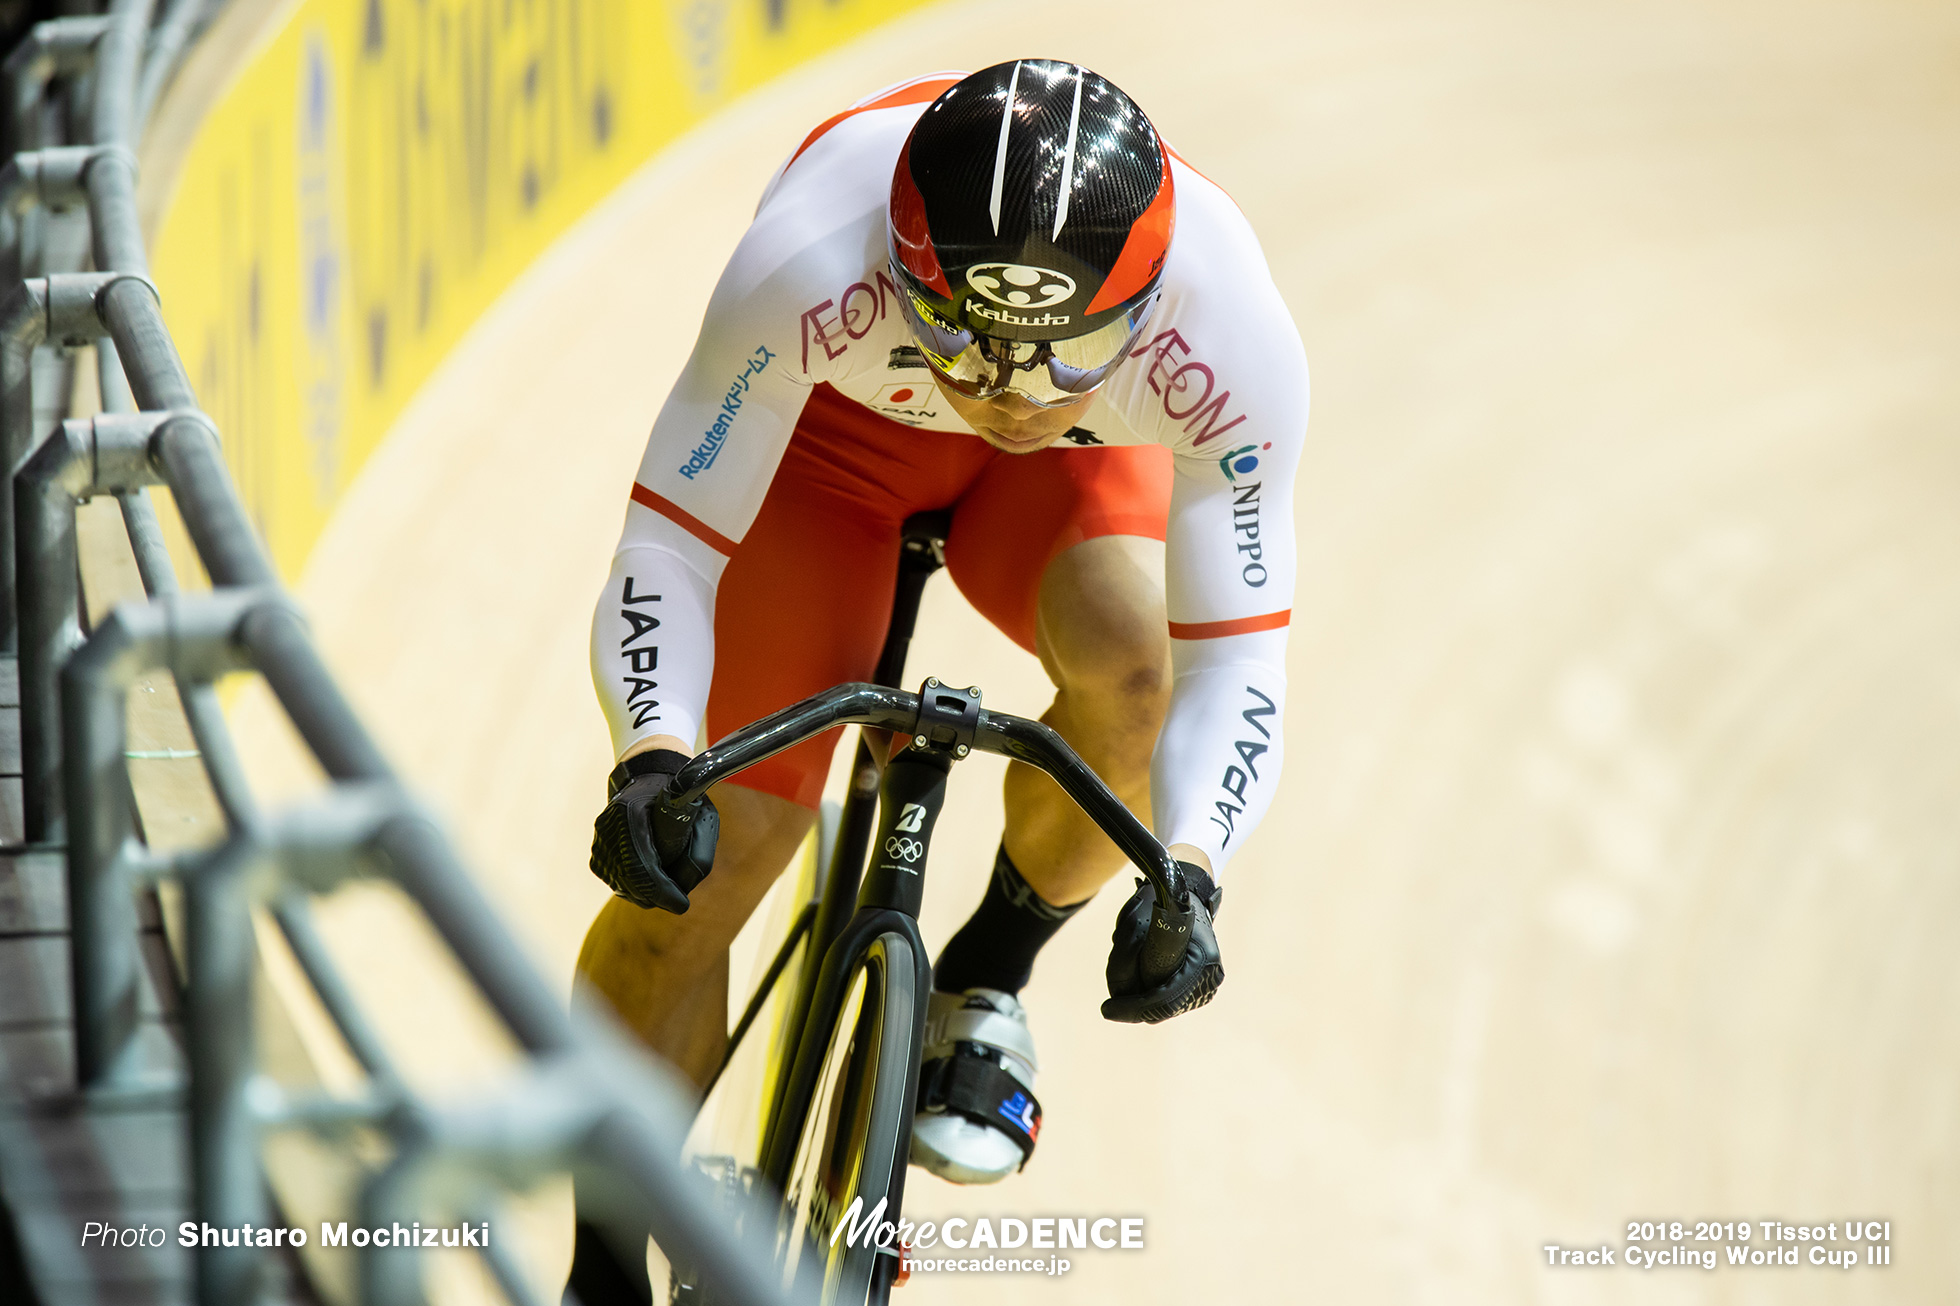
{"x": 1011, "y": 423}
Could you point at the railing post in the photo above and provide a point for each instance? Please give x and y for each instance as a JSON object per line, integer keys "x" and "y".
{"x": 23, "y": 325}
{"x": 59, "y": 307}
{"x": 59, "y": 45}
{"x": 224, "y": 1133}
{"x": 392, "y": 1276}
{"x": 103, "y": 454}
{"x": 197, "y": 639}
{"x": 53, "y": 48}
{"x": 45, "y": 492}
{"x": 101, "y": 827}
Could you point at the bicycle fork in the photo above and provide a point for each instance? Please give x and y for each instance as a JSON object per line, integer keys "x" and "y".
{"x": 913, "y": 790}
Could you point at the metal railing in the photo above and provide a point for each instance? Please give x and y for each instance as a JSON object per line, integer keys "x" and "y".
{"x": 585, "y": 1099}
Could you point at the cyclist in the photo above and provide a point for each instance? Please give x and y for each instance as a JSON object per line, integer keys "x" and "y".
{"x": 1004, "y": 294}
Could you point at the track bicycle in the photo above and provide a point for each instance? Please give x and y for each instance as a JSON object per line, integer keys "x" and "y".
{"x": 839, "y": 1078}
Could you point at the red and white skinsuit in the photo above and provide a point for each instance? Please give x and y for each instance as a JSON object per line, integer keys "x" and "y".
{"x": 758, "y": 556}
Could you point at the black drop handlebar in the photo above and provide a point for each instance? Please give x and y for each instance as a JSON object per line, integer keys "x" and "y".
{"x": 898, "y": 710}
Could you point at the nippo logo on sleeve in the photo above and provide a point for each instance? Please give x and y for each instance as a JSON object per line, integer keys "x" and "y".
{"x": 1016, "y": 285}
{"x": 1242, "y": 461}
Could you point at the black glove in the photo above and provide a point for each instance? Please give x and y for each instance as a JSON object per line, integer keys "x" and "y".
{"x": 646, "y": 854}
{"x": 1136, "y": 997}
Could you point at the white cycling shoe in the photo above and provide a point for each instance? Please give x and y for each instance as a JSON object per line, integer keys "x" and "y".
{"x": 977, "y": 1116}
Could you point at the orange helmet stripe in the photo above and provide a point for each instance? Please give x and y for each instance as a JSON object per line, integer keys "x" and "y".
{"x": 1143, "y": 253}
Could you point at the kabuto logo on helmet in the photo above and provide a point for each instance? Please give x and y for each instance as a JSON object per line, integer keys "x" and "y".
{"x": 1017, "y": 285}
{"x": 1013, "y": 170}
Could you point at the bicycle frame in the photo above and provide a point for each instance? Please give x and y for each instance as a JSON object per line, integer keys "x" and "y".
{"x": 921, "y": 553}
{"x": 888, "y": 903}
{"x": 885, "y": 708}
{"x": 873, "y": 889}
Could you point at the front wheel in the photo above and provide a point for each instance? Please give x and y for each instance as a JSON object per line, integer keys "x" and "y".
{"x": 846, "y": 1176}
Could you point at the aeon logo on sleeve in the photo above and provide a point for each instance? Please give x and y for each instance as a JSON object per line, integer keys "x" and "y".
{"x": 1017, "y": 285}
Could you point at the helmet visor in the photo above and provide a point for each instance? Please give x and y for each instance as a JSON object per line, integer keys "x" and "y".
{"x": 1048, "y": 374}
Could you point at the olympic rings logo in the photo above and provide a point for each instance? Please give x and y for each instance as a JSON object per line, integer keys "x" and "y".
{"x": 904, "y": 849}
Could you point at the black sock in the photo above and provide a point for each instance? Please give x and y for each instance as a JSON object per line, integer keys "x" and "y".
{"x": 996, "y": 947}
{"x": 600, "y": 1278}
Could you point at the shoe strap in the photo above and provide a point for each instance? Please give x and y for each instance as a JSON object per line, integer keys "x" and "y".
{"x": 974, "y": 1083}
{"x": 975, "y": 1024}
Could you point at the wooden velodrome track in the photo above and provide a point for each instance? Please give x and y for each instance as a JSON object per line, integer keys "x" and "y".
{"x": 1614, "y": 872}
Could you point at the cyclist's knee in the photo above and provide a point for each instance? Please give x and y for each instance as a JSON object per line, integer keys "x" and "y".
{"x": 1116, "y": 675}
{"x": 1125, "y": 692}
{"x": 1112, "y": 718}
{"x": 1103, "y": 637}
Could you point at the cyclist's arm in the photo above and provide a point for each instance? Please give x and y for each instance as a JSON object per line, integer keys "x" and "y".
{"x": 1220, "y": 377}
{"x": 1229, "y": 589}
{"x": 707, "y": 466}
{"x": 653, "y": 742}
{"x": 652, "y": 648}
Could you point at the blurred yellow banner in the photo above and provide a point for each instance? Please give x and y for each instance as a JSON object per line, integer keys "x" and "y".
{"x": 380, "y": 170}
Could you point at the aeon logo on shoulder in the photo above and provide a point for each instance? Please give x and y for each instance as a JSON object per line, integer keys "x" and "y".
{"x": 1016, "y": 285}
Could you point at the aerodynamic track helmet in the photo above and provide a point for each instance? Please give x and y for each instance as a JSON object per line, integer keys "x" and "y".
{"x": 1031, "y": 211}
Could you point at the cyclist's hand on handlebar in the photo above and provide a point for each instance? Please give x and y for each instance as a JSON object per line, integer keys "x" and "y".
{"x": 645, "y": 853}
{"x": 1151, "y": 978}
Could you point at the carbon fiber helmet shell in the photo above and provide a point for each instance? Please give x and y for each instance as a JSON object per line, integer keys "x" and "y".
{"x": 1032, "y": 201}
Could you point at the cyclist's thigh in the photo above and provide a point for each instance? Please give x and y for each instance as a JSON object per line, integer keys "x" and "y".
{"x": 1102, "y": 632}
{"x": 806, "y": 598}
{"x": 1028, "y": 508}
